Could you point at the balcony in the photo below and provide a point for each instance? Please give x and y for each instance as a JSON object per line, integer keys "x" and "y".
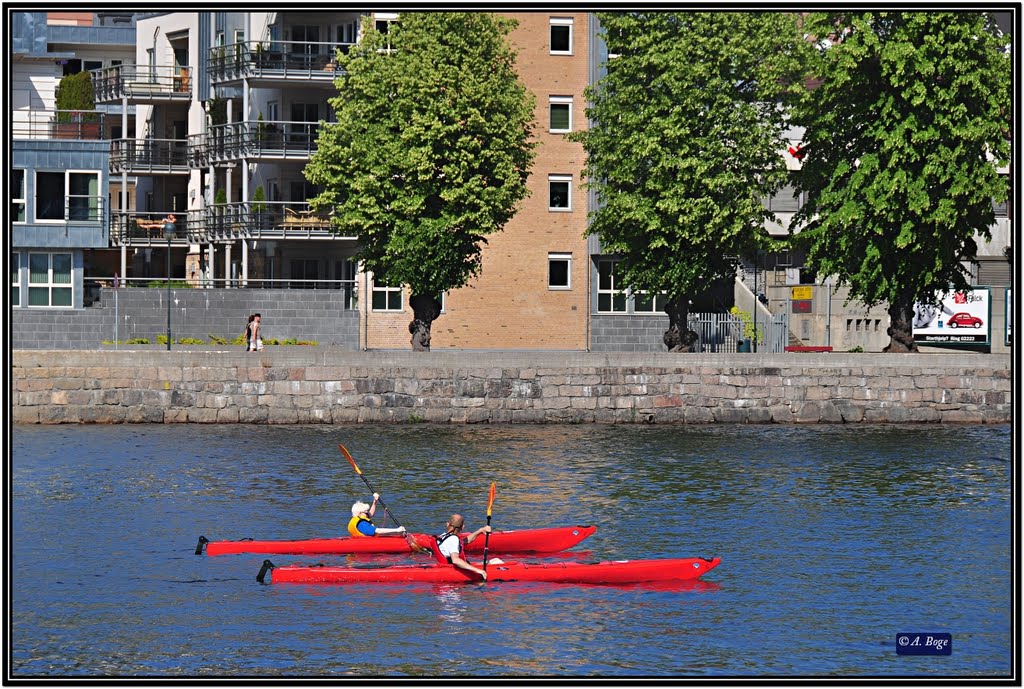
{"x": 275, "y": 61}
{"x": 149, "y": 156}
{"x": 78, "y": 125}
{"x": 147, "y": 229}
{"x": 142, "y": 84}
{"x": 266, "y": 220}
{"x": 278, "y": 140}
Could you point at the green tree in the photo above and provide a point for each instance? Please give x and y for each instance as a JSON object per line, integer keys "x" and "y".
{"x": 686, "y": 141}
{"x": 74, "y": 99}
{"x": 430, "y": 151}
{"x": 902, "y": 140}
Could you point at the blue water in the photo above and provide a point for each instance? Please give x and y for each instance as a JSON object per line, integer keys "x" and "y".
{"x": 833, "y": 539}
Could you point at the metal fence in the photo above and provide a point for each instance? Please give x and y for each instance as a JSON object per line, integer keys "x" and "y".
{"x": 723, "y": 332}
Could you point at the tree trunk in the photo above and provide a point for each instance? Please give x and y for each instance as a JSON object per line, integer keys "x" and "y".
{"x": 677, "y": 338}
{"x": 425, "y": 310}
{"x": 901, "y": 327}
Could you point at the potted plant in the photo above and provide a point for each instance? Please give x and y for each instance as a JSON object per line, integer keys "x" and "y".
{"x": 259, "y": 206}
{"x": 76, "y": 108}
{"x": 748, "y": 332}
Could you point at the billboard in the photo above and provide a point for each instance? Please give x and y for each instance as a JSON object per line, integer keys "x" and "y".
{"x": 960, "y": 318}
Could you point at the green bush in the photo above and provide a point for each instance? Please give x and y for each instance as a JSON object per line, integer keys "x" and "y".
{"x": 75, "y": 93}
{"x": 139, "y": 340}
{"x": 217, "y": 339}
{"x": 191, "y": 341}
{"x": 175, "y": 284}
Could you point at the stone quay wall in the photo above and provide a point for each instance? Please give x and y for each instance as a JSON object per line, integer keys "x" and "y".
{"x": 312, "y": 385}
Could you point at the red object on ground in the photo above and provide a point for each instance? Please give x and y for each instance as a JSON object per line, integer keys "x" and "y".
{"x": 607, "y": 572}
{"x": 808, "y": 348}
{"x": 550, "y": 540}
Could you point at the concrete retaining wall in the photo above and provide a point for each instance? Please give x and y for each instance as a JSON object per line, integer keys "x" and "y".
{"x": 290, "y": 385}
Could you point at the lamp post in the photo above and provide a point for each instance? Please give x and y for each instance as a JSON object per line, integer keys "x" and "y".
{"x": 169, "y": 234}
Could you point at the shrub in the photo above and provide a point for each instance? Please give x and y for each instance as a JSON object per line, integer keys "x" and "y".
{"x": 139, "y": 340}
{"x": 175, "y": 284}
{"x": 75, "y": 93}
{"x": 190, "y": 341}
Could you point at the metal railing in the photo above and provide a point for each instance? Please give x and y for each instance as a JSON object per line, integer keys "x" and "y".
{"x": 81, "y": 125}
{"x": 281, "y": 59}
{"x": 722, "y": 332}
{"x": 149, "y": 155}
{"x": 254, "y": 139}
{"x": 147, "y": 228}
{"x": 170, "y": 82}
{"x": 95, "y": 284}
{"x": 266, "y": 220}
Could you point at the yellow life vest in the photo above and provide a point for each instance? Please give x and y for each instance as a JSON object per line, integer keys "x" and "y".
{"x": 353, "y": 525}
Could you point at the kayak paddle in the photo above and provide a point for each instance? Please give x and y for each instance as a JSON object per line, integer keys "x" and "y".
{"x": 416, "y": 547}
{"x": 487, "y": 536}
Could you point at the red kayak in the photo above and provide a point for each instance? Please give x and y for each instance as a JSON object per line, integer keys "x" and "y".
{"x": 550, "y": 540}
{"x": 608, "y": 572}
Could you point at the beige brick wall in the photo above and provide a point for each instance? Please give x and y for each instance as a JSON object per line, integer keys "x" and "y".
{"x": 506, "y": 305}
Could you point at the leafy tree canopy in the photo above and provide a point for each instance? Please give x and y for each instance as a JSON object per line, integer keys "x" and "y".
{"x": 688, "y": 130}
{"x": 431, "y": 148}
{"x": 903, "y": 138}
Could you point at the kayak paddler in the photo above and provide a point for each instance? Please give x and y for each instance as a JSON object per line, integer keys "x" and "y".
{"x": 448, "y": 545}
{"x": 360, "y": 524}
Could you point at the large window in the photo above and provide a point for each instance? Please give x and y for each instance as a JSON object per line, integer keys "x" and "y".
{"x": 560, "y": 108}
{"x": 559, "y": 271}
{"x": 561, "y": 35}
{"x": 610, "y": 298}
{"x": 68, "y": 196}
{"x": 559, "y": 192}
{"x": 304, "y": 269}
{"x": 49, "y": 279}
{"x": 18, "y": 195}
{"x": 785, "y": 200}
{"x": 15, "y": 279}
{"x": 386, "y": 298}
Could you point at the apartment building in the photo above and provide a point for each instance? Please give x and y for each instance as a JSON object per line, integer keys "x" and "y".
{"x": 59, "y": 180}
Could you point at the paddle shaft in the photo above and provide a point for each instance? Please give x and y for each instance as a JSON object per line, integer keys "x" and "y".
{"x": 487, "y": 535}
{"x": 416, "y": 547}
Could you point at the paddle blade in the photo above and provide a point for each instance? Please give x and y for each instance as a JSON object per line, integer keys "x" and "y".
{"x": 490, "y": 500}
{"x": 349, "y": 458}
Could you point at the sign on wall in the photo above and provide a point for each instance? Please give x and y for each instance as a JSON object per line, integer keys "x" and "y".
{"x": 960, "y": 318}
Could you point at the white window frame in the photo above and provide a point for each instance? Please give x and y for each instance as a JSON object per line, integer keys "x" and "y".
{"x": 67, "y": 196}
{"x": 654, "y": 301}
{"x": 16, "y": 278}
{"x": 560, "y": 21}
{"x": 559, "y": 101}
{"x": 50, "y": 285}
{"x": 19, "y": 199}
{"x": 560, "y": 257}
{"x": 613, "y": 291}
{"x": 388, "y": 293}
{"x": 560, "y": 179}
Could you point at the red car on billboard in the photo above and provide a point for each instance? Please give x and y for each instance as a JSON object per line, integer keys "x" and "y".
{"x": 964, "y": 320}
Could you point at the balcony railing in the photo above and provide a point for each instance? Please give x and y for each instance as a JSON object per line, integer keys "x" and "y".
{"x": 73, "y": 208}
{"x": 237, "y": 140}
{"x": 142, "y": 83}
{"x": 81, "y": 125}
{"x": 147, "y": 228}
{"x": 267, "y": 220}
{"x": 149, "y": 155}
{"x": 275, "y": 59}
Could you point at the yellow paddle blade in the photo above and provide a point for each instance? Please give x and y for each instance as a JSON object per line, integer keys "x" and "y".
{"x": 349, "y": 458}
{"x": 490, "y": 500}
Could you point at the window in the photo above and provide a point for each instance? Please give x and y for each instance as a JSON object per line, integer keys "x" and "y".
{"x": 785, "y": 200}
{"x": 305, "y": 269}
{"x": 15, "y": 279}
{"x": 559, "y": 271}
{"x": 68, "y": 196}
{"x": 304, "y": 123}
{"x": 560, "y": 108}
{"x": 347, "y": 35}
{"x": 610, "y": 299}
{"x": 18, "y": 195}
{"x": 386, "y": 298}
{"x": 49, "y": 279}
{"x": 561, "y": 35}
{"x": 559, "y": 187}
{"x": 645, "y": 302}
{"x": 304, "y": 40}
